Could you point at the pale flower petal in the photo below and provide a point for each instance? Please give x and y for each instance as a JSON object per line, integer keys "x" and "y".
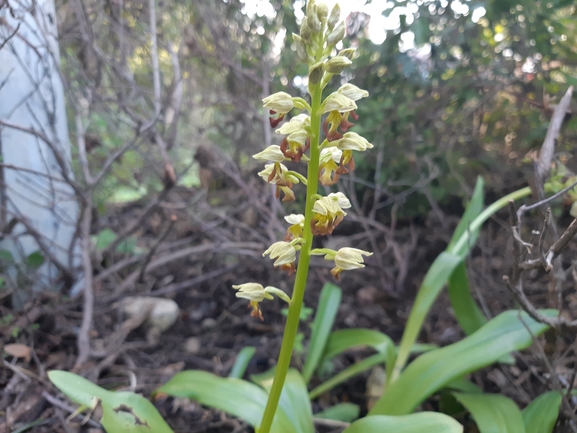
{"x": 252, "y": 292}
{"x": 338, "y": 102}
{"x": 283, "y": 252}
{"x": 353, "y": 141}
{"x": 295, "y": 219}
{"x": 352, "y": 92}
{"x": 280, "y": 102}
{"x": 341, "y": 199}
{"x": 271, "y": 153}
{"x": 350, "y": 258}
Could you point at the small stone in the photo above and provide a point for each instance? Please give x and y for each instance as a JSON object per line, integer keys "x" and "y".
{"x": 163, "y": 312}
{"x": 209, "y": 323}
{"x": 192, "y": 345}
{"x": 367, "y": 295}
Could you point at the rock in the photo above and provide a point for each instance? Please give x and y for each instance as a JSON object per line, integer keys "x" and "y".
{"x": 208, "y": 323}
{"x": 162, "y": 312}
{"x": 192, "y": 345}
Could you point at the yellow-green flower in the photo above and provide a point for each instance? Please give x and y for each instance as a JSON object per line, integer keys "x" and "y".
{"x": 345, "y": 259}
{"x": 296, "y": 142}
{"x": 297, "y": 222}
{"x": 284, "y": 254}
{"x": 328, "y": 165}
{"x": 278, "y": 174}
{"x": 328, "y": 213}
{"x": 256, "y": 293}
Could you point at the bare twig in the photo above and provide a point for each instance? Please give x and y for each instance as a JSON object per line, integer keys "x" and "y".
{"x": 543, "y": 165}
{"x": 83, "y": 342}
{"x": 152, "y": 251}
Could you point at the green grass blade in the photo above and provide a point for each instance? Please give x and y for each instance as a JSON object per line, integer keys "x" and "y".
{"x": 241, "y": 362}
{"x": 435, "y": 279}
{"x": 345, "y": 339}
{"x": 423, "y": 422}
{"x": 493, "y": 413}
{"x": 467, "y": 313}
{"x": 433, "y": 370}
{"x": 440, "y": 271}
{"x": 472, "y": 211}
{"x": 540, "y": 416}
{"x": 329, "y": 303}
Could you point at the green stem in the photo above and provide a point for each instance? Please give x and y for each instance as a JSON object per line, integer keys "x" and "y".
{"x": 292, "y": 323}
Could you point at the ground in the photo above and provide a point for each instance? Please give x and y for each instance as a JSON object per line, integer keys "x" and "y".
{"x": 225, "y": 232}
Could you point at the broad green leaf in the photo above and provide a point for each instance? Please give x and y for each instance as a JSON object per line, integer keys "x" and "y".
{"x": 241, "y": 362}
{"x": 237, "y": 397}
{"x": 294, "y": 400}
{"x": 329, "y": 303}
{"x": 346, "y": 412}
{"x": 104, "y": 238}
{"x": 493, "y": 413}
{"x": 423, "y": 422}
{"x": 349, "y": 372}
{"x": 467, "y": 313}
{"x": 430, "y": 372}
{"x": 35, "y": 260}
{"x": 463, "y": 385}
{"x": 121, "y": 411}
{"x": 127, "y": 246}
{"x": 472, "y": 211}
{"x": 6, "y": 256}
{"x": 541, "y": 414}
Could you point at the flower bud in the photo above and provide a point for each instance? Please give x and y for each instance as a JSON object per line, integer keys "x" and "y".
{"x": 336, "y": 35}
{"x": 322, "y": 11}
{"x": 337, "y": 64}
{"x": 334, "y": 17}
{"x": 313, "y": 23}
{"x": 300, "y": 47}
{"x": 316, "y": 72}
{"x": 310, "y": 7}
{"x": 305, "y": 31}
{"x": 348, "y": 53}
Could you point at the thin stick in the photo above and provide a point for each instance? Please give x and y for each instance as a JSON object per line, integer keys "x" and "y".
{"x": 83, "y": 342}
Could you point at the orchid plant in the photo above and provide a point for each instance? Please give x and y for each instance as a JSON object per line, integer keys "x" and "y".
{"x": 319, "y": 136}
{"x": 327, "y": 159}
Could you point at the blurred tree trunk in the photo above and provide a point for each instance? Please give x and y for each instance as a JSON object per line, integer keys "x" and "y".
{"x": 39, "y": 210}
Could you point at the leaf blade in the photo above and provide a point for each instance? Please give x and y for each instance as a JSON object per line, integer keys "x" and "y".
{"x": 423, "y": 422}
{"x": 493, "y": 413}
{"x": 327, "y": 309}
{"x": 433, "y": 370}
